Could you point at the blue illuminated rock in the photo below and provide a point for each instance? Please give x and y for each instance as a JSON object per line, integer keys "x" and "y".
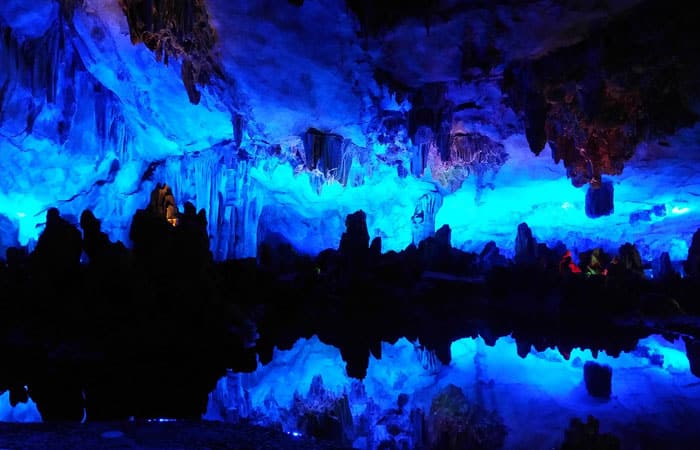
{"x": 89, "y": 112}
{"x": 9, "y": 235}
{"x": 599, "y": 200}
{"x": 692, "y": 348}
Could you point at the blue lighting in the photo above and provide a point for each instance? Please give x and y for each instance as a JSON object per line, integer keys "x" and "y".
{"x": 133, "y": 110}
{"x": 648, "y": 385}
{"x": 21, "y": 412}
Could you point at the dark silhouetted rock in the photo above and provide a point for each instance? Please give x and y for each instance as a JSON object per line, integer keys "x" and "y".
{"x": 375, "y": 248}
{"x": 692, "y": 349}
{"x": 663, "y": 268}
{"x": 193, "y": 237}
{"x": 436, "y": 251}
{"x": 58, "y": 250}
{"x": 631, "y": 261}
{"x": 443, "y": 237}
{"x": 525, "y": 246}
{"x": 598, "y": 379}
{"x": 354, "y": 243}
{"x": 692, "y": 264}
{"x": 659, "y": 305}
{"x": 586, "y": 436}
{"x": 96, "y": 243}
{"x": 491, "y": 257}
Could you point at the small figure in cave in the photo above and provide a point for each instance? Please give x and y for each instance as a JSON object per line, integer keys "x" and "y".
{"x": 567, "y": 265}
{"x": 59, "y": 247}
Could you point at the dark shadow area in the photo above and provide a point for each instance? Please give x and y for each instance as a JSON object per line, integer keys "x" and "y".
{"x": 146, "y": 331}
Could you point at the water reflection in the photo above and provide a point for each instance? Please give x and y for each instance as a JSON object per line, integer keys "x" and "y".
{"x": 655, "y": 398}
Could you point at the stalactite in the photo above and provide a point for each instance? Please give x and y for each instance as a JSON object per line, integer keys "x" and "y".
{"x": 196, "y": 178}
{"x": 232, "y": 219}
{"x": 46, "y": 76}
{"x": 33, "y": 62}
{"x": 177, "y": 29}
{"x": 327, "y": 157}
{"x": 427, "y": 358}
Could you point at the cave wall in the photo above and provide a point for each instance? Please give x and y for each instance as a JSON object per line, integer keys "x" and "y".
{"x": 292, "y": 116}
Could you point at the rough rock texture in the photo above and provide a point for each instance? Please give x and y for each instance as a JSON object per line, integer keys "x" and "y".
{"x": 599, "y": 199}
{"x": 580, "y": 436}
{"x": 594, "y": 101}
{"x": 240, "y": 106}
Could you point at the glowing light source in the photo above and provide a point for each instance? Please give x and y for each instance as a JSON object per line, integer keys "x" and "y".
{"x": 21, "y": 215}
{"x": 677, "y": 210}
{"x": 566, "y": 205}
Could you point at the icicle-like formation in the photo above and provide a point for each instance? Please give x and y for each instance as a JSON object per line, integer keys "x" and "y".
{"x": 240, "y": 211}
{"x": 41, "y": 82}
{"x": 227, "y": 192}
{"x": 198, "y": 178}
{"x": 34, "y": 63}
{"x": 111, "y": 128}
{"x": 427, "y": 358}
{"x": 230, "y": 400}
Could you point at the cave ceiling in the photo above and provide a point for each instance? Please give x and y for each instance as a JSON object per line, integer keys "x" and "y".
{"x": 101, "y": 97}
{"x": 591, "y": 79}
